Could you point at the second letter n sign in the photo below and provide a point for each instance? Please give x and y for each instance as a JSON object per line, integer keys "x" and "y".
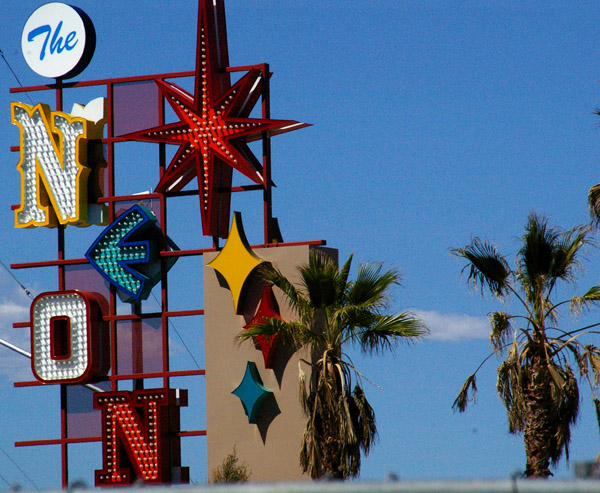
{"x": 140, "y": 437}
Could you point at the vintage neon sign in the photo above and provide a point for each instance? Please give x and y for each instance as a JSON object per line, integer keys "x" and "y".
{"x": 69, "y": 342}
{"x": 140, "y": 438}
{"x": 214, "y": 126}
{"x": 58, "y": 40}
{"x": 127, "y": 253}
{"x": 53, "y": 166}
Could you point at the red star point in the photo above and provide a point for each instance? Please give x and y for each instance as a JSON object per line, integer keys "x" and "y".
{"x": 267, "y": 308}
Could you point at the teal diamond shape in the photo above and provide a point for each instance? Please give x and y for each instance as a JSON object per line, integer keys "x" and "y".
{"x": 251, "y": 392}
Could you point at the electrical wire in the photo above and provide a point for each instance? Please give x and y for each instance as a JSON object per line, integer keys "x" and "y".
{"x": 14, "y": 74}
{"x": 20, "y": 470}
{"x": 24, "y": 353}
{"x": 178, "y": 334}
{"x": 27, "y": 292}
{"x": 4, "y": 479}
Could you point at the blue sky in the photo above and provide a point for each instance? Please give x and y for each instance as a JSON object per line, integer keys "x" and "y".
{"x": 432, "y": 122}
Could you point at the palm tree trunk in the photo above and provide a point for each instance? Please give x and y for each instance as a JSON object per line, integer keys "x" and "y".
{"x": 540, "y": 415}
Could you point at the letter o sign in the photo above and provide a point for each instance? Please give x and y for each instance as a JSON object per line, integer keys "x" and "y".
{"x": 68, "y": 343}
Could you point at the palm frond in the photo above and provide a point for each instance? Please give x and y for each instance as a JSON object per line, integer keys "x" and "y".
{"x": 501, "y": 329}
{"x": 597, "y": 406}
{"x": 590, "y": 298}
{"x": 274, "y": 277}
{"x": 582, "y": 360}
{"x": 462, "y": 400}
{"x": 556, "y": 374}
{"x": 568, "y": 249}
{"x": 290, "y": 334}
{"x": 566, "y": 402}
{"x": 310, "y": 456}
{"x": 536, "y": 256}
{"x": 510, "y": 388}
{"x": 594, "y": 204}
{"x": 320, "y": 280}
{"x": 388, "y": 331}
{"x": 344, "y": 273}
{"x": 593, "y": 357}
{"x": 366, "y": 419}
{"x": 487, "y": 267}
{"x": 371, "y": 287}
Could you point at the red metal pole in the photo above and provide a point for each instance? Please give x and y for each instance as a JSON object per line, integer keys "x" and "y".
{"x": 110, "y": 184}
{"x": 266, "y": 145}
{"x": 164, "y": 297}
{"x": 137, "y": 345}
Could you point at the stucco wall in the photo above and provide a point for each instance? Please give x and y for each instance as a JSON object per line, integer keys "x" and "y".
{"x": 271, "y": 447}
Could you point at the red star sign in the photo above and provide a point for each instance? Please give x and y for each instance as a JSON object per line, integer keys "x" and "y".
{"x": 266, "y": 309}
{"x": 214, "y": 127}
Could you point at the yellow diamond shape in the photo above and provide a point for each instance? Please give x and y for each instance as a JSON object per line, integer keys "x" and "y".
{"x": 236, "y": 261}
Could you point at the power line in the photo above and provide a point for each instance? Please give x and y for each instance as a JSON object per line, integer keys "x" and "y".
{"x": 178, "y": 334}
{"x": 13, "y": 72}
{"x": 4, "y": 479}
{"x": 22, "y": 352}
{"x": 27, "y": 292}
{"x": 20, "y": 470}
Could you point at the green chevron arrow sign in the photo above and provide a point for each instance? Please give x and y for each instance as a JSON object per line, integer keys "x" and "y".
{"x": 127, "y": 253}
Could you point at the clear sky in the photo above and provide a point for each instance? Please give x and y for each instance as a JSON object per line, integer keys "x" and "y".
{"x": 432, "y": 122}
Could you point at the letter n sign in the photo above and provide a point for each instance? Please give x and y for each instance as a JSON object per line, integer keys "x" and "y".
{"x": 140, "y": 437}
{"x": 53, "y": 166}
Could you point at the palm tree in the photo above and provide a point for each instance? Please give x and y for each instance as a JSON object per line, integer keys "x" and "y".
{"x": 333, "y": 311}
{"x": 536, "y": 380}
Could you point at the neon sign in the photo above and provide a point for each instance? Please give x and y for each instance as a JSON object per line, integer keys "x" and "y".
{"x": 214, "y": 129}
{"x": 74, "y": 332}
{"x": 140, "y": 436}
{"x": 68, "y": 339}
{"x": 126, "y": 253}
{"x": 58, "y": 40}
{"x": 53, "y": 166}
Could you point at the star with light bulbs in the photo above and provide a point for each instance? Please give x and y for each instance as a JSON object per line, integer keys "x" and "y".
{"x": 213, "y": 128}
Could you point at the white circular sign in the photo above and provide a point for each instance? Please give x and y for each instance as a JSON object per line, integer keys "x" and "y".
{"x": 58, "y": 40}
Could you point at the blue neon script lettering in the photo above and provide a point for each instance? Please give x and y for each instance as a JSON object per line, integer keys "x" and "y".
{"x": 57, "y": 43}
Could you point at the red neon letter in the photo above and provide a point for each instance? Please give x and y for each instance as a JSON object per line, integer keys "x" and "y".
{"x": 144, "y": 424}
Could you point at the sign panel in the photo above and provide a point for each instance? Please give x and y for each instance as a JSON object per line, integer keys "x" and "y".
{"x": 58, "y": 40}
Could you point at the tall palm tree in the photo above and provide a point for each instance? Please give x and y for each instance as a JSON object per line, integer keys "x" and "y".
{"x": 333, "y": 311}
{"x": 536, "y": 380}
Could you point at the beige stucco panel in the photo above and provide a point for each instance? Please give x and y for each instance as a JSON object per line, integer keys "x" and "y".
{"x": 271, "y": 447}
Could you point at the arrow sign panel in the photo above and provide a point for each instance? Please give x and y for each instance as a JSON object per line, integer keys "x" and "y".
{"x": 127, "y": 253}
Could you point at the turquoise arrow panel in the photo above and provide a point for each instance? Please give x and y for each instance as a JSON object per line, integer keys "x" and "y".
{"x": 127, "y": 253}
